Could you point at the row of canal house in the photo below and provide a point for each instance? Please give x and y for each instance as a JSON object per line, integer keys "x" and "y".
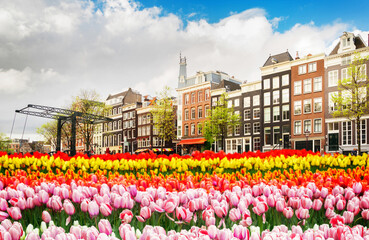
{"x": 290, "y": 107}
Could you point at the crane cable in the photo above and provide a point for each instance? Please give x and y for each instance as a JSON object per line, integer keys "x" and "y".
{"x": 11, "y": 132}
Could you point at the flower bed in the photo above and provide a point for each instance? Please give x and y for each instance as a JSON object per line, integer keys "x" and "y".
{"x": 275, "y": 195}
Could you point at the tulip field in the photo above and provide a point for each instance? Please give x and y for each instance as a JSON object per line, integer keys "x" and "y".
{"x": 282, "y": 194}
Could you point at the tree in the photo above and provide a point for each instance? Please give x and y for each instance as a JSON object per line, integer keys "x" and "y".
{"x": 163, "y": 114}
{"x": 220, "y": 120}
{"x": 4, "y": 143}
{"x": 352, "y": 99}
{"x": 49, "y": 132}
{"x": 88, "y": 102}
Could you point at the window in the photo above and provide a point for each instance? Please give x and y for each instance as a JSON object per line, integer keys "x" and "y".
{"x": 267, "y": 115}
{"x": 285, "y": 95}
{"x": 187, "y": 99}
{"x": 193, "y": 113}
{"x": 318, "y": 105}
{"x": 247, "y": 128}
{"x": 362, "y": 72}
{"x": 199, "y": 96}
{"x": 346, "y": 42}
{"x": 256, "y": 113}
{"x": 276, "y": 82}
{"x": 344, "y": 75}
{"x": 317, "y": 84}
{"x": 256, "y": 128}
{"x": 318, "y": 125}
{"x": 312, "y": 67}
{"x": 347, "y": 133}
{"x": 237, "y": 130}
{"x": 307, "y": 126}
{"x": 229, "y": 131}
{"x": 276, "y": 135}
{"x": 229, "y": 103}
{"x": 363, "y": 131}
{"x": 193, "y": 129}
{"x": 199, "y": 112}
{"x": 346, "y": 60}
{"x": 266, "y": 83}
{"x": 307, "y": 85}
{"x": 297, "y": 107}
{"x": 256, "y": 100}
{"x": 297, "y": 127}
{"x": 207, "y": 94}
{"x": 247, "y": 114}
{"x": 276, "y": 97}
{"x": 257, "y": 145}
{"x": 207, "y": 110}
{"x": 332, "y": 105}
{"x": 193, "y": 97}
{"x": 267, "y": 99}
{"x": 246, "y": 102}
{"x": 285, "y": 112}
{"x": 214, "y": 101}
{"x": 186, "y": 130}
{"x": 199, "y": 131}
{"x": 186, "y": 114}
{"x": 276, "y": 114}
{"x": 297, "y": 87}
{"x": 307, "y": 106}
{"x": 302, "y": 69}
{"x": 285, "y": 80}
{"x": 333, "y": 127}
{"x": 267, "y": 136}
{"x": 237, "y": 102}
{"x": 332, "y": 78}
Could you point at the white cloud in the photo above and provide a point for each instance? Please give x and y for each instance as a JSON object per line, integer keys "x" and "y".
{"x": 52, "y": 49}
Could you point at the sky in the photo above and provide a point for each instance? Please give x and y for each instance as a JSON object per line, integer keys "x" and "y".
{"x": 51, "y": 50}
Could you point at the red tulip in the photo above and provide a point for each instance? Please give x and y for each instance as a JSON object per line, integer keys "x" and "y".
{"x": 126, "y": 216}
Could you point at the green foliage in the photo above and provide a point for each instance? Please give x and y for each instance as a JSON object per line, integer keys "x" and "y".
{"x": 4, "y": 142}
{"x": 220, "y": 118}
{"x": 352, "y": 99}
{"x": 163, "y": 114}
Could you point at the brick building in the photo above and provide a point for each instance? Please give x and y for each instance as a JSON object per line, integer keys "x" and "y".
{"x": 307, "y": 98}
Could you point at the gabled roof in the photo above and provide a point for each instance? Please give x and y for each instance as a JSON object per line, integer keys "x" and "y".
{"x": 278, "y": 58}
{"x": 358, "y": 42}
{"x": 121, "y": 94}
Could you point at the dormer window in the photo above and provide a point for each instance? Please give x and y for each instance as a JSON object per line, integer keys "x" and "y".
{"x": 346, "y": 42}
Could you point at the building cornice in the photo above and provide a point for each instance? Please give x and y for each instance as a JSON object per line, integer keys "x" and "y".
{"x": 343, "y": 54}
{"x": 192, "y": 87}
{"x": 307, "y": 59}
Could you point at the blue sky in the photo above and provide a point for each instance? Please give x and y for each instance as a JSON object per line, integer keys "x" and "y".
{"x": 292, "y": 12}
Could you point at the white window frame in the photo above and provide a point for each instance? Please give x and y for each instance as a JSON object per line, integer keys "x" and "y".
{"x": 266, "y": 83}
{"x": 246, "y": 102}
{"x": 256, "y": 100}
{"x": 333, "y": 78}
{"x": 312, "y": 67}
{"x": 321, "y": 125}
{"x": 307, "y": 83}
{"x": 294, "y": 127}
{"x": 267, "y": 115}
{"x": 346, "y": 140}
{"x": 244, "y": 128}
{"x": 295, "y": 105}
{"x": 275, "y": 82}
{"x": 363, "y": 131}
{"x": 307, "y": 101}
{"x": 267, "y": 99}
{"x": 276, "y": 114}
{"x": 305, "y": 123}
{"x": 302, "y": 69}
{"x": 297, "y": 85}
{"x": 283, "y": 110}
{"x": 318, "y": 100}
{"x": 285, "y": 95}
{"x": 253, "y": 113}
{"x": 285, "y": 80}
{"x": 276, "y": 97}
{"x": 256, "y": 124}
{"x": 237, "y": 102}
{"x": 318, "y": 84}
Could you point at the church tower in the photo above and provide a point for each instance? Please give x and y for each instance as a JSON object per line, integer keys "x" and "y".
{"x": 182, "y": 70}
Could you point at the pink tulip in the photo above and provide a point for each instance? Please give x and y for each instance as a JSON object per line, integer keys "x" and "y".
{"x": 288, "y": 212}
{"x": 55, "y": 203}
{"x": 329, "y": 213}
{"x": 69, "y": 207}
{"x": 3, "y": 204}
{"x": 170, "y": 204}
{"x": 317, "y": 204}
{"x": 46, "y": 216}
{"x": 365, "y": 214}
{"x": 15, "y": 213}
{"x": 192, "y": 205}
{"x": 6, "y": 235}
{"x": 76, "y": 231}
{"x": 7, "y": 224}
{"x": 348, "y": 216}
{"x": 43, "y": 196}
{"x": 212, "y": 231}
{"x": 324, "y": 192}
{"x": 33, "y": 236}
{"x": 241, "y": 232}
{"x": 16, "y": 231}
{"x": 364, "y": 202}
{"x": 306, "y": 202}
{"x": 76, "y": 196}
{"x": 280, "y": 205}
{"x": 183, "y": 214}
{"x": 3, "y": 216}
{"x": 260, "y": 208}
{"x": 255, "y": 236}
{"x": 357, "y": 187}
{"x": 105, "y": 209}
{"x": 126, "y": 216}
{"x": 145, "y": 213}
{"x": 341, "y": 205}
{"x": 234, "y": 214}
{"x": 36, "y": 201}
{"x": 224, "y": 234}
{"x": 84, "y": 205}
{"x": 221, "y": 211}
{"x": 105, "y": 227}
{"x": 93, "y": 209}
{"x": 302, "y": 213}
{"x": 294, "y": 202}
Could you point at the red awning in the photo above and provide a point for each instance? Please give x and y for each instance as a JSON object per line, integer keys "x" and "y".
{"x": 192, "y": 141}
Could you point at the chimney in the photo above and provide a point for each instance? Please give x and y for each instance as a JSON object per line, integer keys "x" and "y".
{"x": 297, "y": 55}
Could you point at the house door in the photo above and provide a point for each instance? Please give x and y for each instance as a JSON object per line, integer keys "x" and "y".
{"x": 333, "y": 142}
{"x": 247, "y": 144}
{"x": 316, "y": 145}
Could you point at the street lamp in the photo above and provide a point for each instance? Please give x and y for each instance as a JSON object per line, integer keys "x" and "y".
{"x": 307, "y": 133}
